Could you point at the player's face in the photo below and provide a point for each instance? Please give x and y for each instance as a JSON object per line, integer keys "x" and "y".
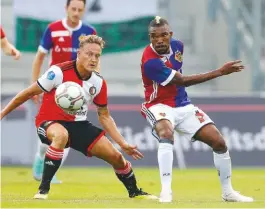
{"x": 89, "y": 56}
{"x": 75, "y": 11}
{"x": 160, "y": 38}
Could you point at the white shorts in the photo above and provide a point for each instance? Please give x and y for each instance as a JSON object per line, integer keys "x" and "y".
{"x": 186, "y": 120}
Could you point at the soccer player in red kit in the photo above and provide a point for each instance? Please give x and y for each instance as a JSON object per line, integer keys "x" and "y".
{"x": 59, "y": 129}
{"x": 61, "y": 38}
{"x": 7, "y": 47}
{"x": 168, "y": 108}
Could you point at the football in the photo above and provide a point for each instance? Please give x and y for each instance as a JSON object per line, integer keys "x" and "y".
{"x": 70, "y": 97}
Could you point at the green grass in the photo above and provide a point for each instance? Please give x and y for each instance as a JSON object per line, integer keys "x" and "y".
{"x": 99, "y": 188}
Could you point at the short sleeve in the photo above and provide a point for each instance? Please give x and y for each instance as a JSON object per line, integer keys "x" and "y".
{"x": 156, "y": 70}
{"x": 46, "y": 41}
{"x": 3, "y": 35}
{"x": 50, "y": 79}
{"x": 102, "y": 98}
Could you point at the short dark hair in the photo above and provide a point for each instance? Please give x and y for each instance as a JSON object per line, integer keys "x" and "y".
{"x": 69, "y": 1}
{"x": 157, "y": 22}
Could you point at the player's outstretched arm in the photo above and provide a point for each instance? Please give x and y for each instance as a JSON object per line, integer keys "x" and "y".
{"x": 9, "y": 49}
{"x": 226, "y": 69}
{"x": 109, "y": 125}
{"x": 20, "y": 98}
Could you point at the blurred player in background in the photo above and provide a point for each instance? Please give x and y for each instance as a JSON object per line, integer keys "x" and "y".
{"x": 61, "y": 37}
{"x": 59, "y": 129}
{"x": 7, "y": 47}
{"x": 168, "y": 108}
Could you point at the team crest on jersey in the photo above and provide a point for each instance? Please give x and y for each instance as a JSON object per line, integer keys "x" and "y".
{"x": 200, "y": 116}
{"x": 92, "y": 90}
{"x": 178, "y": 56}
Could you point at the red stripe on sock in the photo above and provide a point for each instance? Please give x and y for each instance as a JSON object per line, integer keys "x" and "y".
{"x": 55, "y": 149}
{"x": 55, "y": 154}
{"x": 125, "y": 170}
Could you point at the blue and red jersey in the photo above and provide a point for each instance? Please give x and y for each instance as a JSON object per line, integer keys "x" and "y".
{"x": 158, "y": 71}
{"x": 63, "y": 41}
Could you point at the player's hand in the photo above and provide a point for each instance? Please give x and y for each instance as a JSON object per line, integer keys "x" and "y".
{"x": 231, "y": 67}
{"x": 132, "y": 151}
{"x": 36, "y": 99}
{"x": 15, "y": 53}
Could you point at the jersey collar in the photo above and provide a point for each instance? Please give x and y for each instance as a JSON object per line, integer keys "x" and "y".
{"x": 78, "y": 75}
{"x": 69, "y": 28}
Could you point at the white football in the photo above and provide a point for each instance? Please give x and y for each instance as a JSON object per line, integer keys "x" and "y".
{"x": 70, "y": 96}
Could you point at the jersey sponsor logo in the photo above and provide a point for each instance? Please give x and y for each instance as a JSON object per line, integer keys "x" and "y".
{"x": 50, "y": 75}
{"x": 178, "y": 56}
{"x": 92, "y": 90}
{"x": 60, "y": 33}
{"x": 65, "y": 49}
{"x": 57, "y": 49}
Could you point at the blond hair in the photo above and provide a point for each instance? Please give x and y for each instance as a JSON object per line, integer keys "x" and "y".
{"x": 91, "y": 39}
{"x": 157, "y": 19}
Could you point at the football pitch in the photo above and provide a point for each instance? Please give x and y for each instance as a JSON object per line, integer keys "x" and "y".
{"x": 99, "y": 188}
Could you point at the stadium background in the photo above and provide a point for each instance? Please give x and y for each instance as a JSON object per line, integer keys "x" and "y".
{"x": 213, "y": 31}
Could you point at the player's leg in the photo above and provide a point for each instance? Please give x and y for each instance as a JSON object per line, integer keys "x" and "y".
{"x": 38, "y": 163}
{"x": 104, "y": 150}
{"x": 56, "y": 136}
{"x": 165, "y": 131}
{"x": 210, "y": 135}
{"x": 199, "y": 126}
{"x": 162, "y": 121}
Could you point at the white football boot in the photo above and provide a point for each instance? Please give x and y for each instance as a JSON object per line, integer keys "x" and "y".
{"x": 235, "y": 196}
{"x": 165, "y": 197}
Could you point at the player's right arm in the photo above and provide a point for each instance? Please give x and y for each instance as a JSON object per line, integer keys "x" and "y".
{"x": 44, "y": 47}
{"x": 49, "y": 80}
{"x": 156, "y": 70}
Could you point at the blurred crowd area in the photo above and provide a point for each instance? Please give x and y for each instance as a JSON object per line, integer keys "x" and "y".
{"x": 213, "y": 32}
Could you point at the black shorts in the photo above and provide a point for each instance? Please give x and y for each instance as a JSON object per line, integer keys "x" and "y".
{"x": 83, "y": 135}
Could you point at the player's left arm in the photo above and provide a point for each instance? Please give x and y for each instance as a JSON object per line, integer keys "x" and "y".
{"x": 155, "y": 69}
{"x": 21, "y": 97}
{"x": 109, "y": 124}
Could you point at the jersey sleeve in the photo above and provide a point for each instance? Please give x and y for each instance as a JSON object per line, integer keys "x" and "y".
{"x": 3, "y": 35}
{"x": 46, "y": 41}
{"x": 102, "y": 98}
{"x": 50, "y": 79}
{"x": 156, "y": 70}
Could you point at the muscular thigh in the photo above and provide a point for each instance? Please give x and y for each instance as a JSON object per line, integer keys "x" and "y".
{"x": 105, "y": 150}
{"x": 49, "y": 129}
{"x": 161, "y": 118}
{"x": 83, "y": 135}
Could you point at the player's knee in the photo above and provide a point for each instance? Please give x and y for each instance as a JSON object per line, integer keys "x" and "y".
{"x": 117, "y": 160}
{"x": 61, "y": 138}
{"x": 219, "y": 145}
{"x": 166, "y": 133}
